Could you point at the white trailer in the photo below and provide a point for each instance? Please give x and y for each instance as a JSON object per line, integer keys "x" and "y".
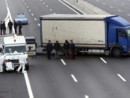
{"x": 86, "y": 31}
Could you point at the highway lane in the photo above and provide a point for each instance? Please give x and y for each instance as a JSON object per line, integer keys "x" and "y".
{"x": 12, "y": 85}
{"x": 97, "y": 79}
{"x": 52, "y": 79}
{"x": 3, "y": 11}
{"x": 116, "y": 7}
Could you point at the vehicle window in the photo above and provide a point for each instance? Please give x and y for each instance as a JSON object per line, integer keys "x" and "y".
{"x": 30, "y": 41}
{"x": 18, "y": 49}
{"x": 128, "y": 32}
{"x": 121, "y": 33}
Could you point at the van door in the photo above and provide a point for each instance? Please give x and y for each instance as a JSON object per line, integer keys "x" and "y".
{"x": 122, "y": 39}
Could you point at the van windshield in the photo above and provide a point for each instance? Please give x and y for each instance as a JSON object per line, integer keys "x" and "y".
{"x": 12, "y": 49}
{"x": 128, "y": 32}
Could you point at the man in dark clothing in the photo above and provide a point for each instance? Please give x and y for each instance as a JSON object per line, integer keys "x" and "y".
{"x": 3, "y": 27}
{"x": 15, "y": 26}
{"x": 57, "y": 49}
{"x": 66, "y": 48}
{"x": 72, "y": 48}
{"x": 20, "y": 28}
{"x": 49, "y": 48}
{"x": 10, "y": 24}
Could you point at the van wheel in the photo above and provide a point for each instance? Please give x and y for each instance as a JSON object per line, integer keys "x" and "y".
{"x": 4, "y": 68}
{"x": 117, "y": 52}
{"x": 27, "y": 67}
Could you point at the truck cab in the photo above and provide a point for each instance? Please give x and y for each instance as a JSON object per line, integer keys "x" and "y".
{"x": 14, "y": 47}
{"x": 118, "y": 35}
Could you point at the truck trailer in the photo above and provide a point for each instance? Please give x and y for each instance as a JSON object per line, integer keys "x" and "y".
{"x": 107, "y": 33}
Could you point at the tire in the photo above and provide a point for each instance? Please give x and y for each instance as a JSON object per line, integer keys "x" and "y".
{"x": 4, "y": 68}
{"x": 117, "y": 52}
{"x": 27, "y": 67}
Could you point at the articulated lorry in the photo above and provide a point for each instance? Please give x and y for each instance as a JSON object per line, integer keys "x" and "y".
{"x": 107, "y": 33}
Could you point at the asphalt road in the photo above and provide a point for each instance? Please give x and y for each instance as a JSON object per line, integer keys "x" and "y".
{"x": 84, "y": 77}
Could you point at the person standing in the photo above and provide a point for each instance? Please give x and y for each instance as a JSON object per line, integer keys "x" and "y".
{"x": 15, "y": 26}
{"x": 57, "y": 49}
{"x": 20, "y": 28}
{"x": 72, "y": 48}
{"x": 4, "y": 27}
{"x": 66, "y": 48}
{"x": 49, "y": 48}
{"x": 10, "y": 24}
{"x": 1, "y": 28}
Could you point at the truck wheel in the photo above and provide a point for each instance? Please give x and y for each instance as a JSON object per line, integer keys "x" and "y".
{"x": 117, "y": 52}
{"x": 27, "y": 67}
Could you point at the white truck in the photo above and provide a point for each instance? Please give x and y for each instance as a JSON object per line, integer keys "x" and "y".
{"x": 12, "y": 49}
{"x": 107, "y": 34}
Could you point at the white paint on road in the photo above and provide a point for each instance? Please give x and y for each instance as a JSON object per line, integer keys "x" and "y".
{"x": 128, "y": 14}
{"x": 38, "y": 24}
{"x": 121, "y": 77}
{"x": 35, "y": 19}
{"x": 32, "y": 14}
{"x": 25, "y": 3}
{"x": 29, "y": 10}
{"x": 46, "y": 5}
{"x": 119, "y": 10}
{"x": 111, "y": 6}
{"x": 50, "y": 9}
{"x": 25, "y": 74}
{"x": 74, "y": 78}
{"x": 86, "y": 96}
{"x": 103, "y": 60}
{"x": 68, "y": 6}
{"x": 63, "y": 62}
{"x": 28, "y": 85}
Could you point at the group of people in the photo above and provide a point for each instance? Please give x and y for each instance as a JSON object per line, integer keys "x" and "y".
{"x": 10, "y": 26}
{"x": 69, "y": 49}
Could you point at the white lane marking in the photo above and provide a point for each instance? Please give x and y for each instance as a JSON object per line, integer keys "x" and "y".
{"x": 103, "y": 3}
{"x": 29, "y": 10}
{"x": 25, "y": 74}
{"x": 38, "y": 24}
{"x": 32, "y": 14}
{"x": 35, "y": 19}
{"x": 9, "y": 17}
{"x": 63, "y": 61}
{"x": 119, "y": 10}
{"x": 97, "y": 0}
{"x": 121, "y": 77}
{"x": 50, "y": 9}
{"x": 28, "y": 85}
{"x": 27, "y": 6}
{"x": 68, "y": 6}
{"x": 86, "y": 96}
{"x": 103, "y": 60}
{"x": 25, "y": 3}
{"x": 111, "y": 6}
{"x": 46, "y": 5}
{"x": 74, "y": 78}
{"x": 128, "y": 14}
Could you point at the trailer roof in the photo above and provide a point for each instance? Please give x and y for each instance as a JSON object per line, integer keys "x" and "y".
{"x": 72, "y": 16}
